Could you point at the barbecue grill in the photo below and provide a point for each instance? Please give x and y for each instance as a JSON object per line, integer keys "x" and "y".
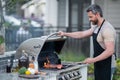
{"x": 46, "y": 50}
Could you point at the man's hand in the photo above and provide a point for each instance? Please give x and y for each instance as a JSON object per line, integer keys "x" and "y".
{"x": 89, "y": 61}
{"x": 61, "y": 33}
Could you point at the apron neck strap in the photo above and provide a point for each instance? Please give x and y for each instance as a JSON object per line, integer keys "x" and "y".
{"x": 101, "y": 25}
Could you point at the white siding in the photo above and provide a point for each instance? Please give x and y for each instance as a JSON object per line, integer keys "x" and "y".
{"x": 114, "y": 12}
{"x": 111, "y": 10}
{"x": 62, "y": 13}
{"x": 51, "y": 12}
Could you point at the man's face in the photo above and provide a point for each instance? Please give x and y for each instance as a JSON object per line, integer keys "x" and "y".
{"x": 93, "y": 18}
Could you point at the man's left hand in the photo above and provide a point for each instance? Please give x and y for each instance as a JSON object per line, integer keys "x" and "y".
{"x": 89, "y": 61}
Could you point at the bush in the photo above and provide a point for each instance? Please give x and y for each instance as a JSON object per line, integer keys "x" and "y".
{"x": 116, "y": 75}
{"x": 117, "y": 67}
{"x": 91, "y": 69}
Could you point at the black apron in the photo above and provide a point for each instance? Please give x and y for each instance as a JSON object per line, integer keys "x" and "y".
{"x": 102, "y": 69}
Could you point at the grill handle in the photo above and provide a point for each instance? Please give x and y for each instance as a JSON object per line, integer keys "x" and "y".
{"x": 55, "y": 33}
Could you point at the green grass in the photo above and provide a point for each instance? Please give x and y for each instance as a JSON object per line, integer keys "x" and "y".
{"x": 71, "y": 56}
{"x": 90, "y": 78}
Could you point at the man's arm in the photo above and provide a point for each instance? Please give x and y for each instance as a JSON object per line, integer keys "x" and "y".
{"x": 109, "y": 50}
{"x": 79, "y": 34}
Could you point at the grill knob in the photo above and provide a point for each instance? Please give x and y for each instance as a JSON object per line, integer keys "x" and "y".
{"x": 66, "y": 77}
{"x": 78, "y": 72}
{"x": 71, "y": 75}
{"x": 62, "y": 78}
{"x": 75, "y": 73}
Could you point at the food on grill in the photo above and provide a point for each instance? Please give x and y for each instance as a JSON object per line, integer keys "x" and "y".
{"x": 59, "y": 66}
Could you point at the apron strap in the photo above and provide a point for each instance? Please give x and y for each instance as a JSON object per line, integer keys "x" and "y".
{"x": 100, "y": 26}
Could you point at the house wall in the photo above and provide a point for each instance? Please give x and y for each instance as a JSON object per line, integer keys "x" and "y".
{"x": 62, "y": 13}
{"x": 51, "y": 12}
{"x": 111, "y": 11}
{"x": 34, "y": 7}
{"x": 43, "y": 9}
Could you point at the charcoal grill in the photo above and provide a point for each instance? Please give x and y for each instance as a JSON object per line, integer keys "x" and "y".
{"x": 46, "y": 50}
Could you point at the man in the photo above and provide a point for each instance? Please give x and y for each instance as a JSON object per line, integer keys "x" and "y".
{"x": 103, "y": 40}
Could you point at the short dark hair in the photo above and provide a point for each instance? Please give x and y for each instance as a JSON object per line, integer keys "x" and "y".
{"x": 95, "y": 8}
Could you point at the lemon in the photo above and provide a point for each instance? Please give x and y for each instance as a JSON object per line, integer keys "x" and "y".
{"x": 27, "y": 72}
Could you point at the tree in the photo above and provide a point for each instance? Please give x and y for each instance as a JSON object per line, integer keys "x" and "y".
{"x": 13, "y": 6}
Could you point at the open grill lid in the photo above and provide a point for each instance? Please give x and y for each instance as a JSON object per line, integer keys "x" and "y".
{"x": 34, "y": 46}
{"x": 53, "y": 45}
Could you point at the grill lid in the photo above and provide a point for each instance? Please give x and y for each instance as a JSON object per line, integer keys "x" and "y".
{"x": 34, "y": 46}
{"x": 53, "y": 45}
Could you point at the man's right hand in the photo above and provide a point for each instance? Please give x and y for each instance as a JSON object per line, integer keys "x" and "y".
{"x": 61, "y": 33}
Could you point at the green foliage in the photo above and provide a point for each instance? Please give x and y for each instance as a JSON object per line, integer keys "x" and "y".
{"x": 116, "y": 77}
{"x": 7, "y": 24}
{"x": 118, "y": 66}
{"x": 90, "y": 78}
{"x": 71, "y": 56}
{"x": 2, "y": 40}
{"x": 91, "y": 69}
{"x": 22, "y": 70}
{"x": 11, "y": 5}
{"x": 116, "y": 74}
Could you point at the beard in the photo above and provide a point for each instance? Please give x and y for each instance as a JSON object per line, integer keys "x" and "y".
{"x": 95, "y": 22}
